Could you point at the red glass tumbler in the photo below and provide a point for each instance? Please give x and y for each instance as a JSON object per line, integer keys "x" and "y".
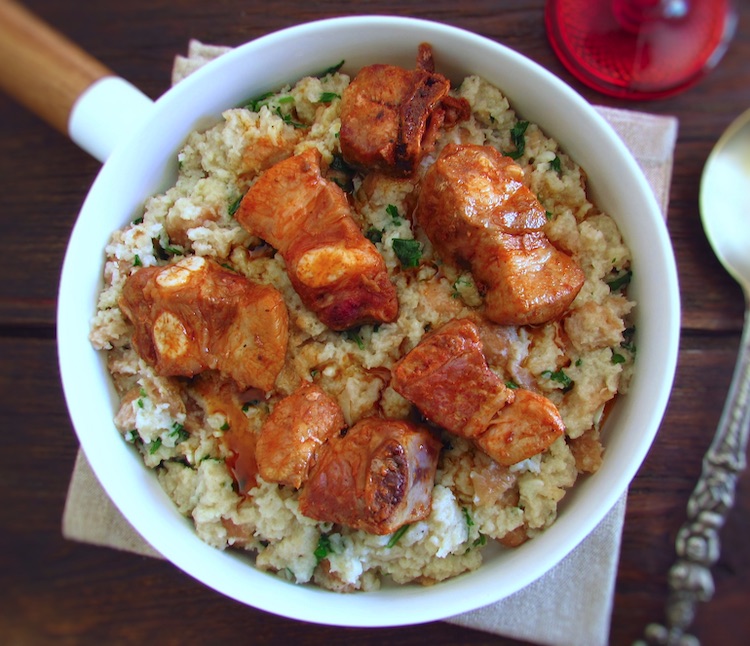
{"x": 640, "y": 49}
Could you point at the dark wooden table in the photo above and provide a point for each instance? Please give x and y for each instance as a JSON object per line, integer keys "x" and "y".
{"x": 56, "y": 591}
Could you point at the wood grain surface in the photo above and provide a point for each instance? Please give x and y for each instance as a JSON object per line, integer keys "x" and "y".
{"x": 55, "y": 591}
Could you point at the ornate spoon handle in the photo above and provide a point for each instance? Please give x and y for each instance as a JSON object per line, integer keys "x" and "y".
{"x": 697, "y": 543}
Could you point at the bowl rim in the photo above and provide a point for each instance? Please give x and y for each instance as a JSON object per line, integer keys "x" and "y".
{"x": 392, "y": 606}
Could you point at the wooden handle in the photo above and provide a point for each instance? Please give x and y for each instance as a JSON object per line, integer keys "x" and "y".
{"x": 40, "y": 67}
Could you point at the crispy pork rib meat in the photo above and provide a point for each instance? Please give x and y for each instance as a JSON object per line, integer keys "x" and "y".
{"x": 391, "y": 117}
{"x": 195, "y": 315}
{"x": 377, "y": 477}
{"x": 447, "y": 378}
{"x": 478, "y": 213}
{"x": 337, "y": 272}
{"x": 295, "y": 431}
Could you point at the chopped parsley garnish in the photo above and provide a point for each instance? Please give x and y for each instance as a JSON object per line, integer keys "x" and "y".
{"x": 353, "y": 335}
{"x": 560, "y": 377}
{"x": 331, "y": 70}
{"x": 323, "y": 549}
{"x": 286, "y": 99}
{"x": 459, "y": 283}
{"x": 549, "y": 215}
{"x": 397, "y": 535}
{"x": 179, "y": 432}
{"x": 393, "y": 212}
{"x": 555, "y": 165}
{"x": 327, "y": 97}
{"x": 233, "y": 206}
{"x": 131, "y": 435}
{"x": 224, "y": 426}
{"x": 408, "y": 252}
{"x": 617, "y": 358}
{"x": 138, "y": 220}
{"x": 155, "y": 446}
{"x": 175, "y": 251}
{"x": 287, "y": 118}
{"x": 620, "y": 281}
{"x": 137, "y": 261}
{"x": 140, "y": 403}
{"x": 479, "y": 541}
{"x": 467, "y": 516}
{"x": 258, "y": 102}
{"x": 512, "y": 385}
{"x": 517, "y": 136}
{"x": 373, "y": 234}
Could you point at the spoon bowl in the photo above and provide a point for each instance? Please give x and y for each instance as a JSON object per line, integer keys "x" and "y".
{"x": 725, "y": 200}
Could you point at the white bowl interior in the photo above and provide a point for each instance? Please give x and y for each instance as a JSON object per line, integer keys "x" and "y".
{"x": 146, "y": 165}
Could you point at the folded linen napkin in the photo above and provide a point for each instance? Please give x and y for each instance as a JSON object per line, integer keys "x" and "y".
{"x": 576, "y": 596}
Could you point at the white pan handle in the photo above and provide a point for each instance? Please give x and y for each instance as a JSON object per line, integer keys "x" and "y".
{"x": 66, "y": 87}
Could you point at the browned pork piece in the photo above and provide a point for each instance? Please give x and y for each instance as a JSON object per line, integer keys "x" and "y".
{"x": 447, "y": 378}
{"x": 294, "y": 432}
{"x": 377, "y": 477}
{"x": 195, "y": 315}
{"x": 391, "y": 117}
{"x": 337, "y": 272}
{"x": 478, "y": 213}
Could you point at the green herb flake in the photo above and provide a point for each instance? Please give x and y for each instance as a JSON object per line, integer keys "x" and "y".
{"x": 620, "y": 281}
{"x": 224, "y": 426}
{"x": 254, "y": 105}
{"x": 467, "y": 516}
{"x": 460, "y": 282}
{"x": 353, "y": 335}
{"x": 374, "y": 235}
{"x": 328, "y": 97}
{"x": 518, "y": 138}
{"x": 323, "y": 549}
{"x": 131, "y": 435}
{"x": 555, "y": 165}
{"x": 234, "y": 206}
{"x": 138, "y": 221}
{"x": 512, "y": 385}
{"x": 408, "y": 252}
{"x": 287, "y": 118}
{"x": 393, "y": 212}
{"x": 479, "y": 541}
{"x": 397, "y": 535}
{"x": 137, "y": 261}
{"x": 331, "y": 70}
{"x": 560, "y": 377}
{"x": 175, "y": 251}
{"x": 155, "y": 446}
{"x": 178, "y": 431}
{"x": 286, "y": 99}
{"x": 140, "y": 403}
{"x": 617, "y": 358}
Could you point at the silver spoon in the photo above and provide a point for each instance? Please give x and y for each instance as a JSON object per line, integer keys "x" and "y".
{"x": 725, "y": 212}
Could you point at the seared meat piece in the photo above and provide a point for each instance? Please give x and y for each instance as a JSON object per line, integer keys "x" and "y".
{"x": 295, "y": 432}
{"x": 220, "y": 396}
{"x": 337, "y": 272}
{"x": 478, "y": 213}
{"x": 196, "y": 315}
{"x": 447, "y": 378}
{"x": 391, "y": 117}
{"x": 377, "y": 477}
{"x": 521, "y": 429}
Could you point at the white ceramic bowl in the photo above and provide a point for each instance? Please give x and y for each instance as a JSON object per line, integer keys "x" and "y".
{"x": 146, "y": 164}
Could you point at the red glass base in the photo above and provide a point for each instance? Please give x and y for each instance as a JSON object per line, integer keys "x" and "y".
{"x": 611, "y": 46}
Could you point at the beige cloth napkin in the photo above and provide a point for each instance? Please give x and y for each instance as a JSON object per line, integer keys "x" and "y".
{"x": 572, "y": 603}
